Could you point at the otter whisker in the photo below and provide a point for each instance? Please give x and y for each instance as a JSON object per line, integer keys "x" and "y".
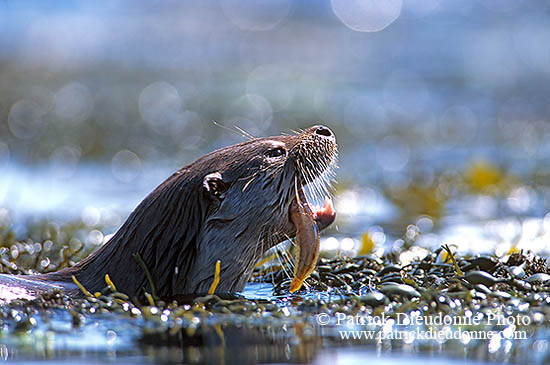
{"x": 285, "y": 261}
{"x": 249, "y": 135}
{"x": 259, "y": 247}
{"x": 239, "y": 131}
{"x": 288, "y": 254}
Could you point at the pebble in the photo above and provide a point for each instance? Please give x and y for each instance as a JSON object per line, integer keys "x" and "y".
{"x": 374, "y": 299}
{"x": 481, "y": 277}
{"x": 517, "y": 271}
{"x": 402, "y": 290}
{"x": 389, "y": 268}
{"x": 538, "y": 278}
{"x": 484, "y": 263}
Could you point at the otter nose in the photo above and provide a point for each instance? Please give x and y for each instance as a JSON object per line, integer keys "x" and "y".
{"x": 321, "y": 130}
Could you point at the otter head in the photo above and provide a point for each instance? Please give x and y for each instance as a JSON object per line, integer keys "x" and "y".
{"x": 230, "y": 205}
{"x": 250, "y": 191}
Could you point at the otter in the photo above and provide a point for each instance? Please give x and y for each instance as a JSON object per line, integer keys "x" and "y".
{"x": 230, "y": 205}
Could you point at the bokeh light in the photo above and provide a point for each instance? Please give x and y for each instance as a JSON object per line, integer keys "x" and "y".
{"x": 73, "y": 102}
{"x": 256, "y": 15}
{"x": 251, "y": 112}
{"x": 160, "y": 106}
{"x": 91, "y": 216}
{"x": 367, "y": 15}
{"x": 64, "y": 161}
{"x": 126, "y": 166}
{"x": 392, "y": 154}
{"x": 25, "y": 119}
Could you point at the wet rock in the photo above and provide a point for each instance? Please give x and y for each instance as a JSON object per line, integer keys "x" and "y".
{"x": 483, "y": 288}
{"x": 518, "y": 271}
{"x": 483, "y": 263}
{"x": 402, "y": 290}
{"x": 347, "y": 268}
{"x": 479, "y": 295}
{"x": 481, "y": 277}
{"x": 520, "y": 285}
{"x": 501, "y": 295}
{"x": 25, "y": 324}
{"x": 368, "y": 272}
{"x": 539, "y": 278}
{"x": 394, "y": 277}
{"x": 374, "y": 299}
{"x": 388, "y": 269}
{"x": 315, "y": 275}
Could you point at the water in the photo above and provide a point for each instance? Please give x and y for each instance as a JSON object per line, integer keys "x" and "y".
{"x": 440, "y": 110}
{"x": 470, "y": 222}
{"x": 475, "y": 223}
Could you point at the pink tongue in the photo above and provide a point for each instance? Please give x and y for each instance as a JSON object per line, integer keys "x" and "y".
{"x": 324, "y": 216}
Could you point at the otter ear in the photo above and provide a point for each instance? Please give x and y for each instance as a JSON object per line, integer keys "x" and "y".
{"x": 213, "y": 185}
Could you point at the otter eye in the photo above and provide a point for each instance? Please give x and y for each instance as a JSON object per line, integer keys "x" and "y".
{"x": 275, "y": 152}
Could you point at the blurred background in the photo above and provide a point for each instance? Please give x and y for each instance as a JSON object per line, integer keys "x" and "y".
{"x": 440, "y": 107}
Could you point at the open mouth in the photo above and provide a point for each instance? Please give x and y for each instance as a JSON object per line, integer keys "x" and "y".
{"x": 309, "y": 221}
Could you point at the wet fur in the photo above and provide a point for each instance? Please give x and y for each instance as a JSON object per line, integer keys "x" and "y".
{"x": 180, "y": 230}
